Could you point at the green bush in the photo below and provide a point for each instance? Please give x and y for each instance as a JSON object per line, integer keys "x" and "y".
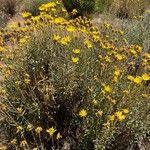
{"x": 84, "y": 7}
{"x": 102, "y": 5}
{"x": 137, "y": 30}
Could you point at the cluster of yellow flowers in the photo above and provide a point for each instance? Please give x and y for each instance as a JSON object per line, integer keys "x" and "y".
{"x": 139, "y": 79}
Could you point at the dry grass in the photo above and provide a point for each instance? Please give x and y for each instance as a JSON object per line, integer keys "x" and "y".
{"x": 129, "y": 8}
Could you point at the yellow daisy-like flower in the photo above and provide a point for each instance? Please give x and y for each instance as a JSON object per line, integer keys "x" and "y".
{"x": 22, "y": 40}
{"x": 59, "y": 136}
{"x": 14, "y": 141}
{"x": 107, "y": 125}
{"x": 59, "y": 20}
{"x": 117, "y": 72}
{"x": 75, "y": 60}
{"x": 46, "y": 7}
{"x": 19, "y": 110}
{"x": 13, "y": 26}
{"x": 99, "y": 113}
{"x": 129, "y": 77}
{"x": 107, "y": 88}
{"x": 146, "y": 77}
{"x": 70, "y": 28}
{"x": 76, "y": 51}
{"x": 119, "y": 57}
{"x": 19, "y": 129}
{"x": 65, "y": 40}
{"x": 2, "y": 49}
{"x": 94, "y": 102}
{"x": 27, "y": 81}
{"x": 56, "y": 37}
{"x": 137, "y": 80}
{"x": 74, "y": 11}
{"x": 23, "y": 143}
{"x": 51, "y": 131}
{"x": 26, "y": 14}
{"x": 83, "y": 113}
{"x": 38, "y": 130}
{"x": 112, "y": 117}
{"x": 29, "y": 127}
{"x": 125, "y": 110}
{"x": 120, "y": 116}
{"x": 88, "y": 44}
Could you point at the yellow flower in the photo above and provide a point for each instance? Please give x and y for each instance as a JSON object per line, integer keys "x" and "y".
{"x": 29, "y": 127}
{"x": 51, "y": 131}
{"x": 59, "y": 136}
{"x": 14, "y": 141}
{"x": 19, "y": 110}
{"x": 64, "y": 10}
{"x": 38, "y": 130}
{"x": 96, "y": 38}
{"x": 115, "y": 78}
{"x": 13, "y": 26}
{"x": 23, "y": 40}
{"x": 70, "y": 28}
{"x": 59, "y": 20}
{"x": 46, "y": 7}
{"x": 131, "y": 78}
{"x": 120, "y": 116}
{"x": 27, "y": 81}
{"x": 107, "y": 125}
{"x": 56, "y": 37}
{"x": 23, "y": 143}
{"x": 126, "y": 92}
{"x": 2, "y": 49}
{"x": 107, "y": 88}
{"x": 112, "y": 117}
{"x": 19, "y": 129}
{"x": 88, "y": 44}
{"x": 133, "y": 52}
{"x": 35, "y": 148}
{"x": 119, "y": 57}
{"x": 137, "y": 80}
{"x": 75, "y": 60}
{"x": 76, "y": 51}
{"x": 26, "y": 14}
{"x": 66, "y": 40}
{"x": 146, "y": 77}
{"x": 145, "y": 95}
{"x": 74, "y": 11}
{"x": 117, "y": 72}
{"x": 17, "y": 82}
{"x": 125, "y": 110}
{"x": 99, "y": 113}
{"x": 83, "y": 113}
{"x": 107, "y": 58}
{"x": 94, "y": 102}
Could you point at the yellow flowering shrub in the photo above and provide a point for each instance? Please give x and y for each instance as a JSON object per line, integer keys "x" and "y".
{"x": 66, "y": 79}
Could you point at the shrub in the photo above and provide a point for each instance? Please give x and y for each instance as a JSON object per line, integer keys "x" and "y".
{"x": 125, "y": 9}
{"x": 32, "y": 6}
{"x": 102, "y": 5}
{"x": 67, "y": 83}
{"x": 10, "y": 7}
{"x": 137, "y": 31}
{"x": 83, "y": 7}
